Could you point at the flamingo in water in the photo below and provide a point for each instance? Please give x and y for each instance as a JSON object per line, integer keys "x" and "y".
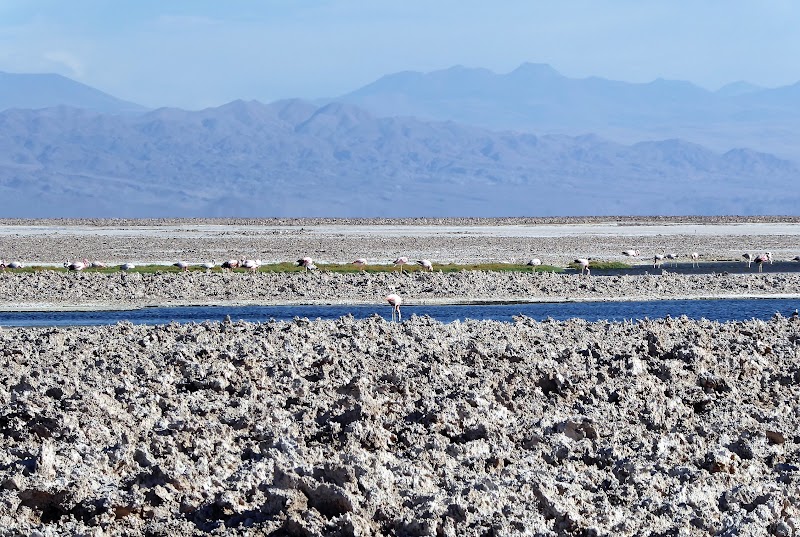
{"x": 694, "y": 256}
{"x": 395, "y": 302}
{"x": 760, "y": 260}
{"x": 584, "y": 263}
{"x": 748, "y": 258}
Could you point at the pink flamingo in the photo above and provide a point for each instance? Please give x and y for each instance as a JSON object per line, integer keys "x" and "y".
{"x": 307, "y": 263}
{"x": 584, "y": 263}
{"x": 360, "y": 263}
{"x": 760, "y": 260}
{"x": 77, "y": 265}
{"x": 400, "y": 261}
{"x": 394, "y": 301}
{"x": 426, "y": 264}
{"x": 694, "y": 256}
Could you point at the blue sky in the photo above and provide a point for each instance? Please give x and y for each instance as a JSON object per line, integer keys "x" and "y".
{"x": 198, "y": 53}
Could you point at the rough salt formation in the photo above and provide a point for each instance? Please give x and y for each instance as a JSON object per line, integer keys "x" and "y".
{"x": 54, "y": 289}
{"x": 365, "y": 427}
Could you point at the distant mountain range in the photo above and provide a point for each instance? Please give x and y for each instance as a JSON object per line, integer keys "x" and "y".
{"x": 536, "y": 98}
{"x": 80, "y": 152}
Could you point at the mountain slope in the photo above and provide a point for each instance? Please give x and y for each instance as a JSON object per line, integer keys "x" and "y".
{"x": 291, "y": 158}
{"x": 49, "y": 90}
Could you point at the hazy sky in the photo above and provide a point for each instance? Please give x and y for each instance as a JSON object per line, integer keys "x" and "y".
{"x": 198, "y": 53}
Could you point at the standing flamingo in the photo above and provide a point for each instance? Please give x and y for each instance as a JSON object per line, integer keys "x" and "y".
{"x": 657, "y": 260}
{"x": 127, "y": 266}
{"x": 97, "y": 264}
{"x": 673, "y": 258}
{"x": 748, "y": 258}
{"x": 394, "y": 301}
{"x": 694, "y": 256}
{"x": 400, "y": 261}
{"x": 360, "y": 263}
{"x": 209, "y": 265}
{"x": 426, "y": 264}
{"x": 584, "y": 263}
{"x": 535, "y": 262}
{"x": 183, "y": 265}
{"x": 760, "y": 260}
{"x": 769, "y": 257}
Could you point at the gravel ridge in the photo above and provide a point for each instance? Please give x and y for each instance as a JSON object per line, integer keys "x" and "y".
{"x": 129, "y": 290}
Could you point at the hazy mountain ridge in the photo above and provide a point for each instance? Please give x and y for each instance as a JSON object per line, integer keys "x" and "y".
{"x": 291, "y": 158}
{"x": 537, "y": 98}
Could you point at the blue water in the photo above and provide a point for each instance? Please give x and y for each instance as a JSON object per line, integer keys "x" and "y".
{"x": 718, "y": 310}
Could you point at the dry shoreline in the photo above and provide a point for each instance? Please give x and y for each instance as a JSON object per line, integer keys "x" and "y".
{"x": 87, "y": 290}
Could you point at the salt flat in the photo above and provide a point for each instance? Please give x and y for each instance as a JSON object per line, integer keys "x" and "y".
{"x": 54, "y": 242}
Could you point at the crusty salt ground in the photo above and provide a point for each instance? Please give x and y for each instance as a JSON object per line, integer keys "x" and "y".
{"x": 366, "y": 427}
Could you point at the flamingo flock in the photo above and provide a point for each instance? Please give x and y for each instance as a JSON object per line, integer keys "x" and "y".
{"x": 393, "y": 299}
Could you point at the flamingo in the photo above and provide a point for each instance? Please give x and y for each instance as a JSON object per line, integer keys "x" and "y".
{"x": 748, "y": 258}
{"x": 97, "y": 264}
{"x": 535, "y": 262}
{"x": 183, "y": 265}
{"x": 250, "y": 264}
{"x": 77, "y": 265}
{"x": 307, "y": 263}
{"x": 631, "y": 253}
{"x": 584, "y": 263}
{"x": 657, "y": 260}
{"x": 426, "y": 264}
{"x": 209, "y": 265}
{"x": 230, "y": 264}
{"x": 796, "y": 258}
{"x": 694, "y": 256}
{"x": 400, "y": 261}
{"x": 760, "y": 260}
{"x": 15, "y": 265}
{"x": 769, "y": 257}
{"x": 673, "y": 258}
{"x": 360, "y": 263}
{"x": 127, "y": 266}
{"x": 394, "y": 301}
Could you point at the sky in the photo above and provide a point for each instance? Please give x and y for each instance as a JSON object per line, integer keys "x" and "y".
{"x": 195, "y": 54}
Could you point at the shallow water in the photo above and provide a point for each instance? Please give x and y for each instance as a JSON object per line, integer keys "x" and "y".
{"x": 717, "y": 310}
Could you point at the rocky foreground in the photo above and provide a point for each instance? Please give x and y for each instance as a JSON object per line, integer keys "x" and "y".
{"x": 51, "y": 289}
{"x": 365, "y": 427}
